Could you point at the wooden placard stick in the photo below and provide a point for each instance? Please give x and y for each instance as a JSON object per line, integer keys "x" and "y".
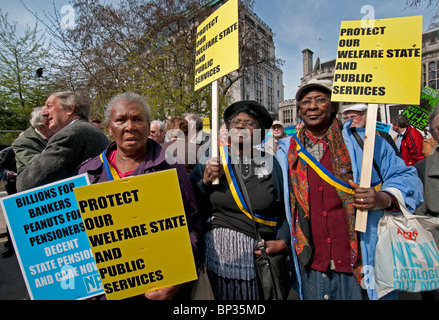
{"x": 215, "y": 116}
{"x": 366, "y": 169}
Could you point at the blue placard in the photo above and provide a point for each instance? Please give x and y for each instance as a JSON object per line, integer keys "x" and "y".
{"x": 50, "y": 241}
{"x": 383, "y": 127}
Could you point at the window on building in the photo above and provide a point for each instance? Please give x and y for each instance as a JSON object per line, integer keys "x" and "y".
{"x": 424, "y": 75}
{"x": 266, "y": 51}
{"x": 250, "y": 21}
{"x": 254, "y": 42}
{"x": 261, "y": 30}
{"x": 287, "y": 116}
{"x": 270, "y": 94}
{"x": 259, "y": 86}
{"x": 433, "y": 75}
{"x": 437, "y": 75}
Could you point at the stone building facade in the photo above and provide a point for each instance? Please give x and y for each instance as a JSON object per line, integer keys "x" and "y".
{"x": 262, "y": 81}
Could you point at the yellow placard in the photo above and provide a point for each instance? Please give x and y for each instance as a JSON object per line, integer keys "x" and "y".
{"x": 217, "y": 47}
{"x": 206, "y": 124}
{"x": 138, "y": 233}
{"x": 380, "y": 63}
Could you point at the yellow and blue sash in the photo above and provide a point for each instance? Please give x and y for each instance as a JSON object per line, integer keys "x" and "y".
{"x": 325, "y": 174}
{"x": 111, "y": 171}
{"x": 236, "y": 192}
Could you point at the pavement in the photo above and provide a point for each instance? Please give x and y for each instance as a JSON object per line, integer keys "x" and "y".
{"x": 12, "y": 285}
{"x": 2, "y": 218}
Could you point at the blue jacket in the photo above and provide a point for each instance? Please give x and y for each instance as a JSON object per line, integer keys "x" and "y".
{"x": 395, "y": 174}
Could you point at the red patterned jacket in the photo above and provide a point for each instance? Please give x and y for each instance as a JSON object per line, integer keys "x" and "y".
{"x": 411, "y": 146}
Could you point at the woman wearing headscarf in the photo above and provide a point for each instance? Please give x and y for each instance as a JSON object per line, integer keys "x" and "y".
{"x": 230, "y": 238}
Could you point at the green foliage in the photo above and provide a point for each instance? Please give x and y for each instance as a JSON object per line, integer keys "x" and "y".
{"x": 142, "y": 46}
{"x": 21, "y": 54}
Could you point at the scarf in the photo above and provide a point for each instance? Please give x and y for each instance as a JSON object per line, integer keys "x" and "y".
{"x": 299, "y": 195}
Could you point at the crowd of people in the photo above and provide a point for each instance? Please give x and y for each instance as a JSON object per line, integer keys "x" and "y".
{"x": 300, "y": 193}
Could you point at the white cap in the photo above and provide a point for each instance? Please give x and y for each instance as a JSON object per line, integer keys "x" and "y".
{"x": 277, "y": 122}
{"x": 356, "y": 107}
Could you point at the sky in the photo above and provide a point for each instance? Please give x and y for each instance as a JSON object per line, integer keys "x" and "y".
{"x": 315, "y": 25}
{"x": 297, "y": 25}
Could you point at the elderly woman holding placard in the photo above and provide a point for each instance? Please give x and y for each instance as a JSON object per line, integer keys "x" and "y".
{"x": 246, "y": 202}
{"x": 323, "y": 162}
{"x": 132, "y": 153}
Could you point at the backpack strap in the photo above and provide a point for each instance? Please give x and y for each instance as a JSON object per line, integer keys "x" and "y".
{"x": 361, "y": 143}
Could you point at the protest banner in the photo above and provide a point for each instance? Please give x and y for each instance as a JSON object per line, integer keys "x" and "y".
{"x": 418, "y": 114}
{"x": 217, "y": 46}
{"x": 383, "y": 127}
{"x": 216, "y": 55}
{"x": 206, "y": 124}
{"x": 50, "y": 242}
{"x": 138, "y": 233}
{"x": 377, "y": 64}
{"x": 381, "y": 64}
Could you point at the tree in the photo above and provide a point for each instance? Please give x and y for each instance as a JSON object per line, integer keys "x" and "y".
{"x": 434, "y": 23}
{"x": 416, "y": 3}
{"x": 21, "y": 88}
{"x": 140, "y": 46}
{"x": 143, "y": 46}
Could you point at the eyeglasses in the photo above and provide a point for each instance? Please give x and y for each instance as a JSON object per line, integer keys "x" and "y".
{"x": 305, "y": 103}
{"x": 245, "y": 123}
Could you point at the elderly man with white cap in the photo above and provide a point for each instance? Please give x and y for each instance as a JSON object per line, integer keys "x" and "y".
{"x": 358, "y": 114}
{"x": 277, "y": 133}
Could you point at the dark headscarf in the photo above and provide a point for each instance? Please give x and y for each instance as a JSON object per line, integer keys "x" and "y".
{"x": 253, "y": 109}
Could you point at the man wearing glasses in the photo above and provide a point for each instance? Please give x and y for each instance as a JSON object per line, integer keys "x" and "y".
{"x": 321, "y": 165}
{"x": 278, "y": 132}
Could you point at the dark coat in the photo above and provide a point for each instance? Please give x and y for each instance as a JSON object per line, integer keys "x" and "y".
{"x": 7, "y": 163}
{"x": 428, "y": 172}
{"x": 26, "y": 147}
{"x": 64, "y": 152}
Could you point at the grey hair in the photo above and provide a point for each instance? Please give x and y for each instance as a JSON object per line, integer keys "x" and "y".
{"x": 36, "y": 118}
{"x": 129, "y": 97}
{"x": 78, "y": 100}
{"x": 197, "y": 119}
{"x": 433, "y": 116}
{"x": 401, "y": 120}
{"x": 160, "y": 124}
